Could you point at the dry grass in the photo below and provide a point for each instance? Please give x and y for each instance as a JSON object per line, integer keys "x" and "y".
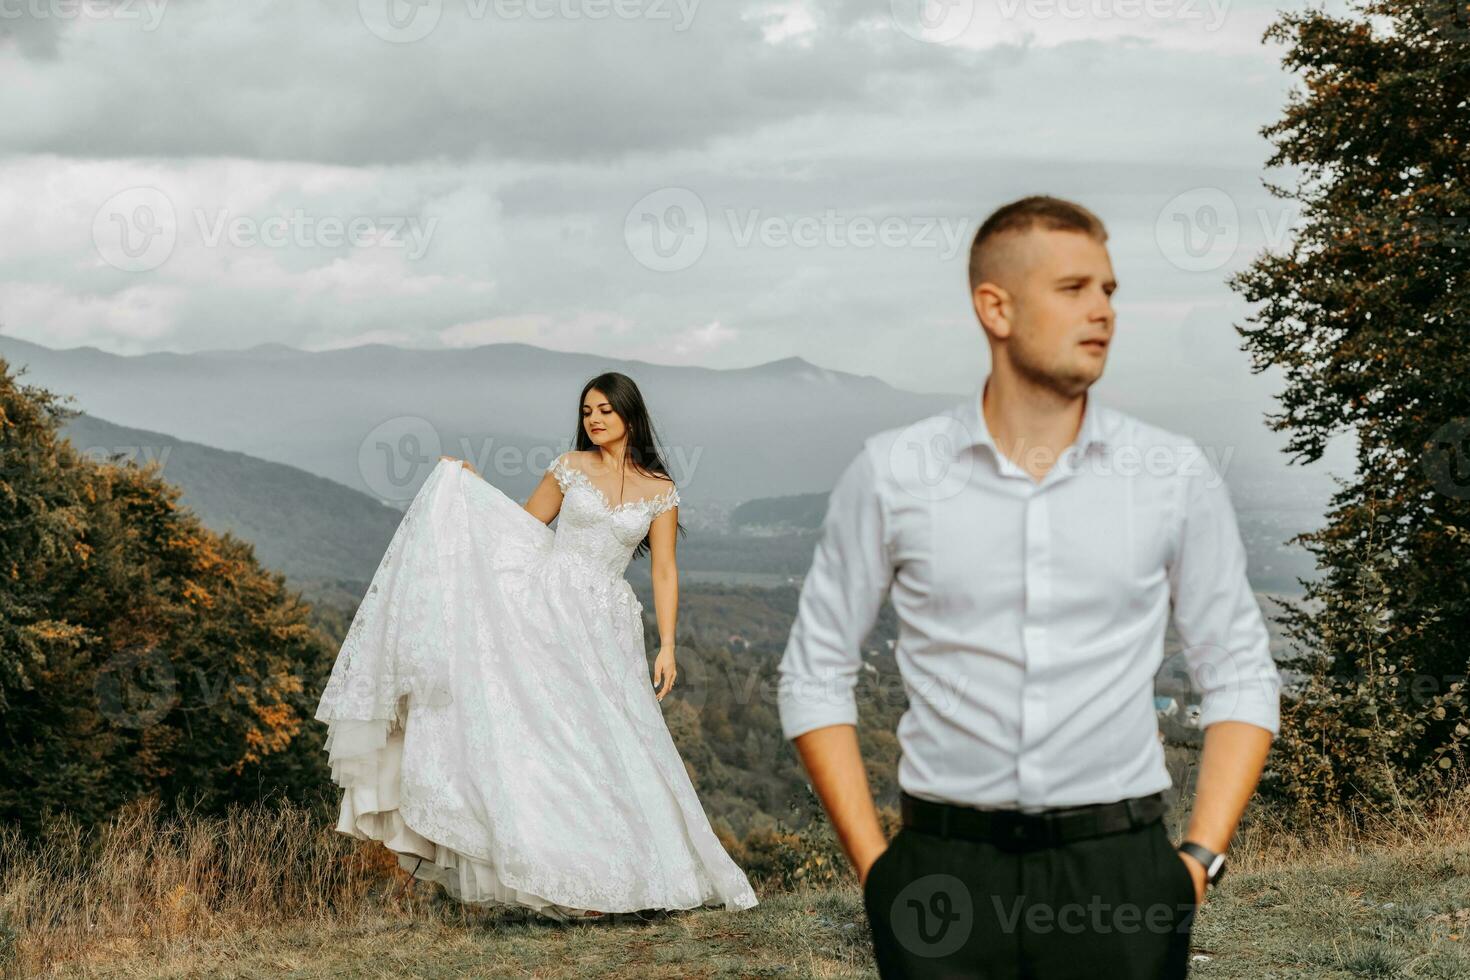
{"x": 146, "y": 878}
{"x": 273, "y": 890}
{"x": 1266, "y": 841}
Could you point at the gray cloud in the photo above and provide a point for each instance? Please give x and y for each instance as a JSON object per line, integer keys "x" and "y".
{"x": 530, "y": 146}
{"x": 313, "y": 82}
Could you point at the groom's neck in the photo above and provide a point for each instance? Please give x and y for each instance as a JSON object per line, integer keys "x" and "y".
{"x": 1032, "y": 424}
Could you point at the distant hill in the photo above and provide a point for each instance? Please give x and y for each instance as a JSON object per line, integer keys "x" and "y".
{"x": 801, "y": 510}
{"x": 1268, "y": 519}
{"x": 308, "y": 527}
{"x": 755, "y": 449}
{"x": 788, "y": 426}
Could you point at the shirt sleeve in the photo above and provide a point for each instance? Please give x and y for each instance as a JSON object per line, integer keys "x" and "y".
{"x": 1227, "y": 650}
{"x": 848, "y": 580}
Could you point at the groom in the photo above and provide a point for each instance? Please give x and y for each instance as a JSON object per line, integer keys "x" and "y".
{"x": 1035, "y": 543}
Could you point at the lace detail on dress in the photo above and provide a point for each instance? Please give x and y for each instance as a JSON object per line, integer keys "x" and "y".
{"x": 568, "y": 476}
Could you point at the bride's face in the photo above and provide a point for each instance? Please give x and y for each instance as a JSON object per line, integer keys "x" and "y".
{"x": 604, "y": 426}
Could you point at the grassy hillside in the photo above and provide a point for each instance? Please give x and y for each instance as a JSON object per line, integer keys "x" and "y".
{"x": 279, "y": 894}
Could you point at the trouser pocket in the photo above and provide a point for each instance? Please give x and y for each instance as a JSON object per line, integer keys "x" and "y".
{"x": 879, "y": 864}
{"x": 1178, "y": 872}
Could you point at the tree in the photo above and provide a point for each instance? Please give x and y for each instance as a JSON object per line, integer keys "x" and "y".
{"x": 139, "y": 652}
{"x": 1367, "y": 314}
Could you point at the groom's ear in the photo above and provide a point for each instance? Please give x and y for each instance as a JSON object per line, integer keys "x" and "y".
{"x": 994, "y": 308}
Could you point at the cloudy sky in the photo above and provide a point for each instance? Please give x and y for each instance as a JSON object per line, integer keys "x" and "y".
{"x": 713, "y": 183}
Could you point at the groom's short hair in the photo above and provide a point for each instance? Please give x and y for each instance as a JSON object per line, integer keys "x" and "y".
{"x": 996, "y": 232}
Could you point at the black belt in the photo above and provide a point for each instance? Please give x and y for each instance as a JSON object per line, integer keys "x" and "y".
{"x": 1016, "y": 828}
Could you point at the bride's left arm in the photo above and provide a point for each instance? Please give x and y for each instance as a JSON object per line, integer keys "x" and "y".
{"x": 665, "y": 575}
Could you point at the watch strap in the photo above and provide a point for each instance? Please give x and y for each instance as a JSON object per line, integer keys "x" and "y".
{"x": 1214, "y": 863}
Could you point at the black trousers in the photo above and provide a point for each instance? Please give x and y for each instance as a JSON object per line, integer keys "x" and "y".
{"x": 1116, "y": 907}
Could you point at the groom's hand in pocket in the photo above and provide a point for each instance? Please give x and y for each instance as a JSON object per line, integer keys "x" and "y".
{"x": 1196, "y": 874}
{"x": 866, "y": 866}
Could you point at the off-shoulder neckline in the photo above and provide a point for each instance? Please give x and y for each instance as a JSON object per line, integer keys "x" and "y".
{"x": 671, "y": 493}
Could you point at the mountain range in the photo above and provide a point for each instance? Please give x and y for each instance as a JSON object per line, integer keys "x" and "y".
{"x": 313, "y": 455}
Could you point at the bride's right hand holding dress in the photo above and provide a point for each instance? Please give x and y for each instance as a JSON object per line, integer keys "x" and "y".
{"x": 464, "y": 463}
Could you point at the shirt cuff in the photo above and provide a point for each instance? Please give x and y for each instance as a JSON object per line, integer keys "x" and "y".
{"x": 806, "y": 703}
{"x": 1258, "y": 703}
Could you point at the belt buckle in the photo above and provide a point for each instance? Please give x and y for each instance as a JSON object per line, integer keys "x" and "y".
{"x": 1018, "y": 827}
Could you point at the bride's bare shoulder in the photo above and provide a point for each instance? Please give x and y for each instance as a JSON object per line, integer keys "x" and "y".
{"x": 587, "y": 462}
{"x": 656, "y": 482}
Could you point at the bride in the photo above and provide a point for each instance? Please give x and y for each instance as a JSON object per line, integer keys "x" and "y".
{"x": 490, "y": 717}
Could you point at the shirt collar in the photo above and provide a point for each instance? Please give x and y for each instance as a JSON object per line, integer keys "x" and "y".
{"x": 1090, "y": 433}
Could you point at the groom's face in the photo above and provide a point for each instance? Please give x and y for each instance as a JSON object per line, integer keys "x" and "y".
{"x": 1060, "y": 319}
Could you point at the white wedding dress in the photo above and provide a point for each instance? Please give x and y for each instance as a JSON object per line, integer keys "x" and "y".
{"x": 492, "y": 718}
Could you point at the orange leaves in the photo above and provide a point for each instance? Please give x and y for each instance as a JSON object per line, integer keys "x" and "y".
{"x": 196, "y": 595}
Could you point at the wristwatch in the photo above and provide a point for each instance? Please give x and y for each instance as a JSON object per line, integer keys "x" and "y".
{"x": 1214, "y": 863}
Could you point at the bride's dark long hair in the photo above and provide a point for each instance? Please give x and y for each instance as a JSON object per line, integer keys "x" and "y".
{"x": 623, "y": 395}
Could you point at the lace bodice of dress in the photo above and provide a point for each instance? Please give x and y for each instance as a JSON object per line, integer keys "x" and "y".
{"x": 593, "y": 534}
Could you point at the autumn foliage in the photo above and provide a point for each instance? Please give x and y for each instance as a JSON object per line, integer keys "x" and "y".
{"x": 140, "y": 653}
{"x": 1367, "y": 316}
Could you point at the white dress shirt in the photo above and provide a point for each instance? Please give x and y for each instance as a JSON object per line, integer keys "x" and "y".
{"x": 1031, "y": 614}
